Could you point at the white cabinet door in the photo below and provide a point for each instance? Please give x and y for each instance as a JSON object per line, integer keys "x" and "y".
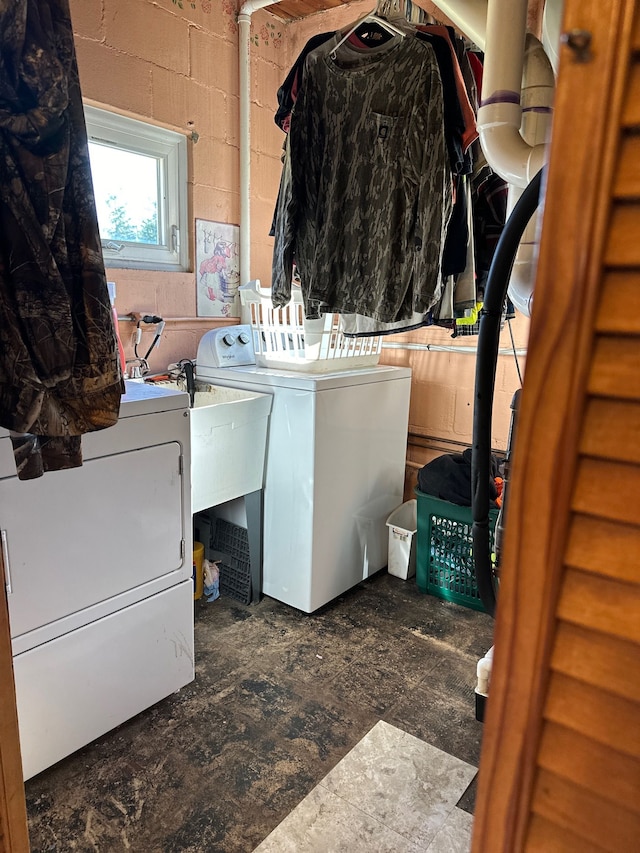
{"x": 76, "y": 538}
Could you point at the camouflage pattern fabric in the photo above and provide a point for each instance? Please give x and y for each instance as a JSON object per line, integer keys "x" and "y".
{"x": 59, "y": 369}
{"x": 365, "y": 195}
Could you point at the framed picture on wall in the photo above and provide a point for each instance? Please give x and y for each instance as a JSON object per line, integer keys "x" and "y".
{"x": 217, "y": 269}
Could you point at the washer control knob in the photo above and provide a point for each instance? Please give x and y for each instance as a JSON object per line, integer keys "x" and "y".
{"x": 228, "y": 339}
{"x": 244, "y": 338}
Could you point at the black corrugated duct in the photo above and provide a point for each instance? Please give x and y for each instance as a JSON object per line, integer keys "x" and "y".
{"x": 488, "y": 340}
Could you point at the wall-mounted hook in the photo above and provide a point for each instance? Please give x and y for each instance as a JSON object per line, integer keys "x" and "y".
{"x": 580, "y": 43}
{"x": 194, "y": 136}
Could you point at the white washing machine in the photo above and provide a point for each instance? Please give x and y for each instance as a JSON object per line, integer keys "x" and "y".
{"x": 334, "y": 471}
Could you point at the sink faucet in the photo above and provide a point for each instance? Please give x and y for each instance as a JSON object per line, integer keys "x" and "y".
{"x": 137, "y": 368}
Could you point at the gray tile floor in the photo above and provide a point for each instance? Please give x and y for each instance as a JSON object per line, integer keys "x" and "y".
{"x": 280, "y": 699}
{"x": 392, "y": 792}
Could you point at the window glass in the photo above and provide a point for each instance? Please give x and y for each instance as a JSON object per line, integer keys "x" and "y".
{"x": 139, "y": 179}
{"x": 126, "y": 186}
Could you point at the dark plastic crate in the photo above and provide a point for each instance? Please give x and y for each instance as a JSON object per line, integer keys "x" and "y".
{"x": 230, "y": 546}
{"x": 444, "y": 550}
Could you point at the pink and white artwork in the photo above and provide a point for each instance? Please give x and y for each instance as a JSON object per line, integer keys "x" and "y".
{"x": 217, "y": 269}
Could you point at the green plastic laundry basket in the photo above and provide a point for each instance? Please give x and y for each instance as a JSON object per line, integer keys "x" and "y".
{"x": 444, "y": 550}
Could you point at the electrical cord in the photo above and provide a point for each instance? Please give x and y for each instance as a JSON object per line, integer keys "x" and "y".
{"x": 150, "y": 319}
{"x": 488, "y": 342}
{"x": 515, "y": 351}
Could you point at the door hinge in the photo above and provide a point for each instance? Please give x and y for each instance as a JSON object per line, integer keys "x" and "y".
{"x": 181, "y": 465}
{"x": 182, "y": 549}
{"x": 175, "y": 239}
{"x": 580, "y": 43}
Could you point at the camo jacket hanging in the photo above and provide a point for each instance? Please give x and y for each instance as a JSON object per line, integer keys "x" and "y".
{"x": 59, "y": 370}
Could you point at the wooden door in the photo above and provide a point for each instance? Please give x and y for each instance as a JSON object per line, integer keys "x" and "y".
{"x": 560, "y": 766}
{"x": 13, "y": 816}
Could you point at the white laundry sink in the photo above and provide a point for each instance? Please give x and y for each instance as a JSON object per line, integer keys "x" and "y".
{"x": 228, "y": 443}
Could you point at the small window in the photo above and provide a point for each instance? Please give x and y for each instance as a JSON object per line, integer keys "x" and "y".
{"x": 140, "y": 182}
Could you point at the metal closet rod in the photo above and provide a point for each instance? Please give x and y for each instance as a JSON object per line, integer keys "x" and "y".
{"x": 134, "y": 316}
{"x": 447, "y": 348}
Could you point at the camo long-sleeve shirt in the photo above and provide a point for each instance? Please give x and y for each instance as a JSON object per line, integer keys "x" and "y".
{"x": 59, "y": 372}
{"x": 366, "y": 188}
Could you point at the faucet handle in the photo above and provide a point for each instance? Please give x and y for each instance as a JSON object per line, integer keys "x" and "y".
{"x": 139, "y": 368}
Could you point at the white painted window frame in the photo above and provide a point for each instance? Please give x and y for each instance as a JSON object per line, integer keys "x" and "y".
{"x": 172, "y": 253}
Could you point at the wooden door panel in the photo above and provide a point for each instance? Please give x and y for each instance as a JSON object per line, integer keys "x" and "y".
{"x": 593, "y": 819}
{"x": 608, "y": 490}
{"x": 627, "y": 180}
{"x": 614, "y": 371}
{"x": 623, "y": 248}
{"x": 619, "y": 309}
{"x": 591, "y": 765}
{"x": 594, "y": 712}
{"x": 548, "y": 837}
{"x": 560, "y": 766}
{"x": 611, "y": 430}
{"x": 603, "y": 547}
{"x": 598, "y": 659}
{"x": 601, "y": 604}
{"x": 631, "y": 113}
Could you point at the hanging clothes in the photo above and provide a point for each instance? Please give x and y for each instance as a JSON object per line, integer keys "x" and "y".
{"x": 473, "y": 226}
{"x": 458, "y": 235}
{"x": 454, "y": 120}
{"x": 366, "y": 190}
{"x": 448, "y": 33}
{"x": 477, "y": 68}
{"x": 288, "y": 92}
{"x": 489, "y": 203}
{"x": 458, "y": 132}
{"x": 59, "y": 368}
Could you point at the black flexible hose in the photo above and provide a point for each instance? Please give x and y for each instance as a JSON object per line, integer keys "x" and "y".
{"x": 189, "y": 377}
{"x": 488, "y": 342}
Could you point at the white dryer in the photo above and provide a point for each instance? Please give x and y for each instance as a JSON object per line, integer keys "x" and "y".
{"x": 97, "y": 564}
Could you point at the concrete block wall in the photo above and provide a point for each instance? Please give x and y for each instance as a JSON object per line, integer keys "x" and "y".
{"x": 442, "y": 392}
{"x": 178, "y": 68}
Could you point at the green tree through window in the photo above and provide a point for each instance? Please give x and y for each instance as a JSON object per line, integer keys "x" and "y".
{"x": 121, "y": 226}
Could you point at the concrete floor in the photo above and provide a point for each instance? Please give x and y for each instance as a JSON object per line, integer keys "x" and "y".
{"x": 280, "y": 697}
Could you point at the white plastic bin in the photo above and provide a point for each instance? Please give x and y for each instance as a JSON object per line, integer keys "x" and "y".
{"x": 402, "y": 524}
{"x": 372, "y": 540}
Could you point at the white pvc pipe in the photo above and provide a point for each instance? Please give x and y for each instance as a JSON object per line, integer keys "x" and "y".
{"x": 244, "y": 55}
{"x": 506, "y": 29}
{"x": 500, "y": 113}
{"x": 538, "y": 84}
{"x": 470, "y": 16}
{"x": 538, "y": 89}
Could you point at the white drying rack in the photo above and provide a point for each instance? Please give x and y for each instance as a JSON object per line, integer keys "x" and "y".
{"x": 285, "y": 340}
